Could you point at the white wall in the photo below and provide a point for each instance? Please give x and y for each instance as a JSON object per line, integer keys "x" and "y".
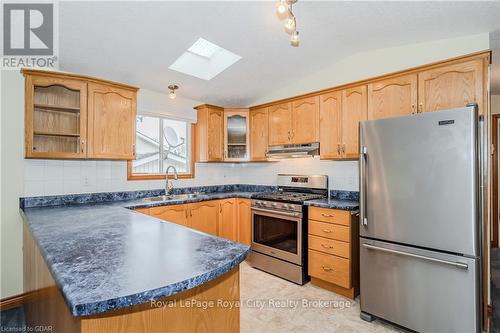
{"x": 368, "y": 64}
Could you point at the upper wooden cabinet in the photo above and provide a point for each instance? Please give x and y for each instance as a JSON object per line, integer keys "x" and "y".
{"x": 280, "y": 124}
{"x": 294, "y": 123}
{"x": 330, "y": 125}
{"x": 259, "y": 134}
{"x": 305, "y": 120}
{"x": 210, "y": 133}
{"x": 392, "y": 97}
{"x": 354, "y": 110}
{"x": 451, "y": 86}
{"x": 73, "y": 116}
{"x": 236, "y": 135}
{"x": 111, "y": 122}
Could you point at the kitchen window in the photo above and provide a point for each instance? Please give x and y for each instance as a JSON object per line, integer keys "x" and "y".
{"x": 160, "y": 142}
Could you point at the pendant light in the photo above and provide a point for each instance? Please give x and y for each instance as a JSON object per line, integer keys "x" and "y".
{"x": 284, "y": 12}
{"x": 172, "y": 88}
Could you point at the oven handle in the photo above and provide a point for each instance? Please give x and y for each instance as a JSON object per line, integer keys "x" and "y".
{"x": 278, "y": 213}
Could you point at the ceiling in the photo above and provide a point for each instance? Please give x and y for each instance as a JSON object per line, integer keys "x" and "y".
{"x": 136, "y": 42}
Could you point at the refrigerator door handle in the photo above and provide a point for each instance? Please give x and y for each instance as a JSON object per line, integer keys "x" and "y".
{"x": 362, "y": 185}
{"x": 446, "y": 262}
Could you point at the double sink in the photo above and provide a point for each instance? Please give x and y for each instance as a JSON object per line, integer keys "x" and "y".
{"x": 176, "y": 197}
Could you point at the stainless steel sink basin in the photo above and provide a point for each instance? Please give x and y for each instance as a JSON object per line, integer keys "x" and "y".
{"x": 175, "y": 197}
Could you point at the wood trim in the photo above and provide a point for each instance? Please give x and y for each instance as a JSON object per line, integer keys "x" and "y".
{"x": 203, "y": 106}
{"x": 16, "y": 300}
{"x": 68, "y": 75}
{"x": 486, "y": 54}
{"x": 150, "y": 176}
{"x": 494, "y": 190}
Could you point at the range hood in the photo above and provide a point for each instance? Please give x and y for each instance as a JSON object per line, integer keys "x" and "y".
{"x": 291, "y": 151}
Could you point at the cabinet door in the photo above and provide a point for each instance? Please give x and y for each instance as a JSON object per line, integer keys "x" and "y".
{"x": 244, "y": 222}
{"x": 175, "y": 213}
{"x": 330, "y": 125}
{"x": 228, "y": 222}
{"x": 236, "y": 135}
{"x": 111, "y": 122}
{"x": 55, "y": 117}
{"x": 215, "y": 135}
{"x": 259, "y": 132}
{"x": 204, "y": 216}
{"x": 280, "y": 124}
{"x": 392, "y": 97}
{"x": 354, "y": 110}
{"x": 451, "y": 86}
{"x": 305, "y": 120}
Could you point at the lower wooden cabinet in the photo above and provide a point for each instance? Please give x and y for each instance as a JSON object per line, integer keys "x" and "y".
{"x": 175, "y": 213}
{"x": 204, "y": 216}
{"x": 333, "y": 250}
{"x": 228, "y": 218}
{"x": 244, "y": 221}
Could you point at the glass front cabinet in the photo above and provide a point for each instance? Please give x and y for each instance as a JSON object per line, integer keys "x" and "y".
{"x": 236, "y": 135}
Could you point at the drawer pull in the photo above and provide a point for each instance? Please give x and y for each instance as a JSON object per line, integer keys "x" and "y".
{"x": 326, "y": 246}
{"x": 327, "y": 269}
{"x": 326, "y": 231}
{"x": 327, "y": 215}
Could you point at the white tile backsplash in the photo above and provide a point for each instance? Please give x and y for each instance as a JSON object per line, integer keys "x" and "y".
{"x": 52, "y": 177}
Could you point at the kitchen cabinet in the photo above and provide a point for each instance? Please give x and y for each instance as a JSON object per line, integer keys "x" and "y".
{"x": 305, "y": 120}
{"x": 204, "y": 216}
{"x": 244, "y": 221}
{"x": 72, "y": 116}
{"x": 142, "y": 210}
{"x": 354, "y": 110}
{"x": 280, "y": 124}
{"x": 330, "y": 125}
{"x": 392, "y": 97}
{"x": 111, "y": 122}
{"x": 209, "y": 133}
{"x": 228, "y": 219}
{"x": 333, "y": 250}
{"x": 236, "y": 135}
{"x": 340, "y": 114}
{"x": 259, "y": 134}
{"x": 451, "y": 86}
{"x": 174, "y": 213}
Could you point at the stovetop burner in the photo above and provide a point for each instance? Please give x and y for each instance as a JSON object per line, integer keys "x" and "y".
{"x": 285, "y": 196}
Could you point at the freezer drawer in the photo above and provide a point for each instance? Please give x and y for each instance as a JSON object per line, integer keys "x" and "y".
{"x": 422, "y": 290}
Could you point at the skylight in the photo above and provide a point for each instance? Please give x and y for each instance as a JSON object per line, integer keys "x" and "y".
{"x": 204, "y": 60}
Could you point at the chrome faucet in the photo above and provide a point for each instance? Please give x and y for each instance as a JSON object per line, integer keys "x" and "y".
{"x": 168, "y": 185}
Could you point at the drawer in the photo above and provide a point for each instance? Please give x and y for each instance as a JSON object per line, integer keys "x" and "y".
{"x": 330, "y": 215}
{"x": 329, "y": 230}
{"x": 330, "y": 268}
{"x": 331, "y": 246}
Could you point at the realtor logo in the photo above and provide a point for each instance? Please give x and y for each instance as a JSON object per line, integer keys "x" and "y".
{"x": 28, "y": 29}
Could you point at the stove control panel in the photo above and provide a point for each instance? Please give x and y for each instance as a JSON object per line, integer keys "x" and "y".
{"x": 276, "y": 205}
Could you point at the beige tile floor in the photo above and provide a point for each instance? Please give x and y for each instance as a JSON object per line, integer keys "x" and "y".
{"x": 262, "y": 294}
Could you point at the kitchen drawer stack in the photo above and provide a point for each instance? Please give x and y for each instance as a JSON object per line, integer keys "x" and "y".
{"x": 334, "y": 250}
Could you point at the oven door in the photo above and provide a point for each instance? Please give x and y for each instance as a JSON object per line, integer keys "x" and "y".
{"x": 277, "y": 234}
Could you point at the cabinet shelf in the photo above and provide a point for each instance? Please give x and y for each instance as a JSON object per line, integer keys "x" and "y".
{"x": 48, "y": 133}
{"x": 72, "y": 109}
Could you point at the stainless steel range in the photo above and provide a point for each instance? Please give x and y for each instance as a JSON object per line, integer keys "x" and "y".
{"x": 279, "y": 226}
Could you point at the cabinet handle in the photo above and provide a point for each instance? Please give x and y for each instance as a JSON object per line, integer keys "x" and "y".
{"x": 338, "y": 148}
{"x": 190, "y": 212}
{"x": 420, "y": 108}
{"x": 327, "y": 215}
{"x": 326, "y": 246}
{"x": 413, "y": 109}
{"x": 343, "y": 148}
{"x": 186, "y": 213}
{"x": 326, "y": 231}
{"x": 326, "y": 268}
{"x": 82, "y": 144}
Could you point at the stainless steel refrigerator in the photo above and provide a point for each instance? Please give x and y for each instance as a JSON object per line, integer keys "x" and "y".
{"x": 420, "y": 220}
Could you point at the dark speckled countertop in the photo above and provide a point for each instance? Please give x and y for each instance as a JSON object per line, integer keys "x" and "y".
{"x": 105, "y": 256}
